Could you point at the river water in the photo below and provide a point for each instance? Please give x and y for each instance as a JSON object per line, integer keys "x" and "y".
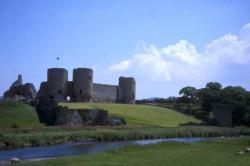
{"x": 89, "y": 147}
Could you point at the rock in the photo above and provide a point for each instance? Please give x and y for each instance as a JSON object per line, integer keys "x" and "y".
{"x": 51, "y": 114}
{"x": 14, "y": 160}
{"x": 248, "y": 149}
{"x": 46, "y": 110}
{"x": 94, "y": 116}
{"x": 67, "y": 117}
{"x": 115, "y": 121}
{"x": 101, "y": 117}
{"x": 240, "y": 152}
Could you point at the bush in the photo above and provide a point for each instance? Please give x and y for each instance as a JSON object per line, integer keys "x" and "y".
{"x": 14, "y": 125}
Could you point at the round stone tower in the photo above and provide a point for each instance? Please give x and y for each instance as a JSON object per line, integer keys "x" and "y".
{"x": 126, "y": 93}
{"x": 83, "y": 84}
{"x": 57, "y": 79}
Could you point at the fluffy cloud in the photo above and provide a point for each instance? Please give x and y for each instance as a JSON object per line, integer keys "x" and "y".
{"x": 124, "y": 65}
{"x": 228, "y": 49}
{"x": 182, "y": 61}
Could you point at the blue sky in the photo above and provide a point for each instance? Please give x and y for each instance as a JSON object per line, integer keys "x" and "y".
{"x": 164, "y": 44}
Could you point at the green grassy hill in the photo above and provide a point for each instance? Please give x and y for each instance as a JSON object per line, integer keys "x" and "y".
{"x": 14, "y": 114}
{"x": 139, "y": 114}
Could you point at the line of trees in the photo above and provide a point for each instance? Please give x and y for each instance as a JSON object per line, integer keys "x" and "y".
{"x": 236, "y": 98}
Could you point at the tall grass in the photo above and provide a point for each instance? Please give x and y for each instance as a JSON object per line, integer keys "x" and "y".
{"x": 14, "y": 140}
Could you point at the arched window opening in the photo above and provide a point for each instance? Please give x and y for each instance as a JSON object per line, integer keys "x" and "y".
{"x": 68, "y": 98}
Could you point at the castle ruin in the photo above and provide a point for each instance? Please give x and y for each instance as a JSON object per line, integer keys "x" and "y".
{"x": 82, "y": 88}
{"x": 21, "y": 92}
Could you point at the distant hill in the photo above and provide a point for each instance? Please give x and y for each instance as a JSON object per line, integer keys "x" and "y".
{"x": 15, "y": 114}
{"x": 153, "y": 98}
{"x": 1, "y": 97}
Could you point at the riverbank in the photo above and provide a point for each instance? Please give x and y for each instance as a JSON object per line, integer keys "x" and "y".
{"x": 19, "y": 138}
{"x": 219, "y": 152}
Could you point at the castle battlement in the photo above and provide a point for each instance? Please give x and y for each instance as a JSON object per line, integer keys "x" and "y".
{"x": 82, "y": 88}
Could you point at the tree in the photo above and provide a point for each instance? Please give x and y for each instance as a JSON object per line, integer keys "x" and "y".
{"x": 235, "y": 99}
{"x": 238, "y": 99}
{"x": 188, "y": 93}
{"x": 209, "y": 95}
{"x": 213, "y": 86}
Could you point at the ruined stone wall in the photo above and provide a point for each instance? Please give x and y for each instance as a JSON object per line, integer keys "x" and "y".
{"x": 104, "y": 93}
{"x": 223, "y": 115}
{"x": 43, "y": 89}
{"x": 21, "y": 92}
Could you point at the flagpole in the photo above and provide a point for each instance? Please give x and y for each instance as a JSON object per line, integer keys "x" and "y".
{"x": 57, "y": 58}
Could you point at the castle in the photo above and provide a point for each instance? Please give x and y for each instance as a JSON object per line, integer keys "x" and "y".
{"x": 82, "y": 88}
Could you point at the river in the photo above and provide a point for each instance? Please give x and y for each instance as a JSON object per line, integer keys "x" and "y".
{"x": 89, "y": 147}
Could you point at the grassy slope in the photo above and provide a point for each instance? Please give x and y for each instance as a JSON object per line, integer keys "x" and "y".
{"x": 140, "y": 114}
{"x": 222, "y": 152}
{"x": 22, "y": 115}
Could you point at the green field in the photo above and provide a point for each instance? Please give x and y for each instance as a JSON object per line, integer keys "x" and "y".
{"x": 17, "y": 115}
{"x": 139, "y": 114}
{"x": 220, "y": 153}
{"x": 20, "y": 127}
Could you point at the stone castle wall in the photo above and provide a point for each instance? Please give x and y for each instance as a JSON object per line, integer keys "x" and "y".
{"x": 82, "y": 88}
{"x": 105, "y": 93}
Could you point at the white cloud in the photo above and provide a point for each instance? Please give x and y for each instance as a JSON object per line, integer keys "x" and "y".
{"x": 172, "y": 62}
{"x": 245, "y": 32}
{"x": 228, "y": 49}
{"x": 124, "y": 65}
{"x": 182, "y": 61}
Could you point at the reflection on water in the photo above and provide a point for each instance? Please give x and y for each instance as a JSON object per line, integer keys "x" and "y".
{"x": 70, "y": 149}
